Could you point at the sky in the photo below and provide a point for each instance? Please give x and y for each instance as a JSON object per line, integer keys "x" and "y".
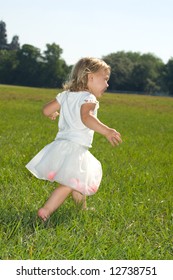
{"x": 92, "y": 27}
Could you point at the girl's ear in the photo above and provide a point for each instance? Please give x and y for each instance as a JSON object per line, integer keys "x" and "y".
{"x": 90, "y": 77}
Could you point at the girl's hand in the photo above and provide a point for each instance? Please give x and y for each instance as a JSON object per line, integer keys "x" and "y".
{"x": 113, "y": 136}
{"x": 53, "y": 116}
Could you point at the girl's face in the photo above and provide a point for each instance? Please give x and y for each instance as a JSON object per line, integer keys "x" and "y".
{"x": 98, "y": 82}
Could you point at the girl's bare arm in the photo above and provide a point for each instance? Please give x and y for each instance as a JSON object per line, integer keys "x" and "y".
{"x": 93, "y": 123}
{"x": 51, "y": 108}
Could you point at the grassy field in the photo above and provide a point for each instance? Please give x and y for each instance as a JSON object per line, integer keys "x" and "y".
{"x": 134, "y": 205}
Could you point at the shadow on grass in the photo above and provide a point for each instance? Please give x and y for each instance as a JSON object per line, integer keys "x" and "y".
{"x": 20, "y": 231}
{"x": 14, "y": 221}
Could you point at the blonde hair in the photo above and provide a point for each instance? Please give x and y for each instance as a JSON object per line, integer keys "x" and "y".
{"x": 78, "y": 77}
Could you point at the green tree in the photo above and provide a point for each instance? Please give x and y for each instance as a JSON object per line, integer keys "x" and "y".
{"x": 135, "y": 72}
{"x": 8, "y": 65}
{"x": 169, "y": 76}
{"x": 27, "y": 71}
{"x": 55, "y": 67}
{"x": 152, "y": 66}
{"x": 3, "y": 36}
{"x": 14, "y": 45}
{"x": 121, "y": 68}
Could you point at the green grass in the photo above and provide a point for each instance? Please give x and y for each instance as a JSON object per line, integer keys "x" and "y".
{"x": 134, "y": 205}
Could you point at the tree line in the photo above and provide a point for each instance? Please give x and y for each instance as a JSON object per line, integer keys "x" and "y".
{"x": 131, "y": 71}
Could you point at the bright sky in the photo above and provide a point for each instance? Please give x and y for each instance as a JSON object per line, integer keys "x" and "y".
{"x": 92, "y": 27}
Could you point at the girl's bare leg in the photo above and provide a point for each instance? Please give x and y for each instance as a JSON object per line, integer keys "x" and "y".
{"x": 57, "y": 197}
{"x": 79, "y": 199}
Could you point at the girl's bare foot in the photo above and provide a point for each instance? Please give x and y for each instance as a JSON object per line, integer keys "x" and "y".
{"x": 43, "y": 214}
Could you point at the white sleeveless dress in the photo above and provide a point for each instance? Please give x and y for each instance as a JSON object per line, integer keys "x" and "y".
{"x": 67, "y": 159}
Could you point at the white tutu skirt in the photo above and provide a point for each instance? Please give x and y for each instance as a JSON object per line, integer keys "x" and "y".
{"x": 69, "y": 164}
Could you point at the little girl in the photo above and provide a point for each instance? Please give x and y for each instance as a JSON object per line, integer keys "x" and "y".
{"x": 67, "y": 159}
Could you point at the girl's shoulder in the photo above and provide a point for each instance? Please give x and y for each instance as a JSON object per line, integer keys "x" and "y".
{"x": 88, "y": 97}
{"x": 73, "y": 93}
{"x": 80, "y": 97}
{"x": 60, "y": 96}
